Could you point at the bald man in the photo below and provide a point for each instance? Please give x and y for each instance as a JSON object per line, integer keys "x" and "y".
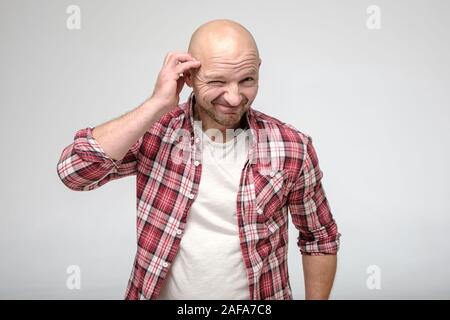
{"x": 215, "y": 180}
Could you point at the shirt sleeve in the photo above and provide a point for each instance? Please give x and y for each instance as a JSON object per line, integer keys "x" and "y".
{"x": 84, "y": 165}
{"x": 310, "y": 210}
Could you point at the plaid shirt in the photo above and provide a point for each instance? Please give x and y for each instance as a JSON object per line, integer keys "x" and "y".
{"x": 281, "y": 173}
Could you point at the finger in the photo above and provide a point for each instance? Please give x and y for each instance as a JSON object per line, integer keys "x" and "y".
{"x": 170, "y": 55}
{"x": 180, "y": 57}
{"x": 182, "y": 67}
{"x": 180, "y": 84}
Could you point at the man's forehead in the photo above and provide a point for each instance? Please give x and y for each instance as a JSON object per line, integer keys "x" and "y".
{"x": 214, "y": 66}
{"x": 218, "y": 74}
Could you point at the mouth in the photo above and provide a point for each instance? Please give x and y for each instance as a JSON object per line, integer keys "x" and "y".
{"x": 226, "y": 109}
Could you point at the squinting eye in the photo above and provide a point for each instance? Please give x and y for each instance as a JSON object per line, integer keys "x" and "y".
{"x": 215, "y": 82}
{"x": 249, "y": 79}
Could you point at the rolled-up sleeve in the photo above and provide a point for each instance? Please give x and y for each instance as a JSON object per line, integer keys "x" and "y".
{"x": 84, "y": 165}
{"x": 310, "y": 210}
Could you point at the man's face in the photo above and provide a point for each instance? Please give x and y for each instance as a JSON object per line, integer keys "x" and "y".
{"x": 225, "y": 86}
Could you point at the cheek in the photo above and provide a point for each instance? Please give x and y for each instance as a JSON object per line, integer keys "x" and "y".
{"x": 250, "y": 92}
{"x": 209, "y": 93}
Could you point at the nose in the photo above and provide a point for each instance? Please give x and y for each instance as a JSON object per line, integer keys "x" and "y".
{"x": 232, "y": 95}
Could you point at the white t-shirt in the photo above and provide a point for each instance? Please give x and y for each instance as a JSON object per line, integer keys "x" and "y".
{"x": 209, "y": 263}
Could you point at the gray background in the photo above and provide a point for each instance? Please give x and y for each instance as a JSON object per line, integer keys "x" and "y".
{"x": 376, "y": 103}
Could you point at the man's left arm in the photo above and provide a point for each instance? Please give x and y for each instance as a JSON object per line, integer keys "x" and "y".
{"x": 319, "y": 272}
{"x": 318, "y": 238}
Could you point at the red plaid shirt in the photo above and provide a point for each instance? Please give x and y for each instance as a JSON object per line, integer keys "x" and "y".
{"x": 281, "y": 173}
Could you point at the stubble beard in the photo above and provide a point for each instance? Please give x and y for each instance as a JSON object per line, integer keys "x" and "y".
{"x": 230, "y": 120}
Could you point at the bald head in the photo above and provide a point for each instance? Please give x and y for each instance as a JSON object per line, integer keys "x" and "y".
{"x": 226, "y": 83}
{"x": 221, "y": 36}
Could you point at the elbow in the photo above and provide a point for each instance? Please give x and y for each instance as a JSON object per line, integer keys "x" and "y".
{"x": 67, "y": 179}
{"x": 71, "y": 174}
{"x": 323, "y": 241}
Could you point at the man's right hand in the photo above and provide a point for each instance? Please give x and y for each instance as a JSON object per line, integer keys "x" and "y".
{"x": 117, "y": 136}
{"x": 170, "y": 80}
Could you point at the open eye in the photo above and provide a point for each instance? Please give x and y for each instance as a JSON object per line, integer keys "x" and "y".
{"x": 248, "y": 79}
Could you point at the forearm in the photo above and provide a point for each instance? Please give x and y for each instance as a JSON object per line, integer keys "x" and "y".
{"x": 319, "y": 272}
{"x": 118, "y": 135}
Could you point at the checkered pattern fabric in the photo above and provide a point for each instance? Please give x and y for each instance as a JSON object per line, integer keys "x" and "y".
{"x": 281, "y": 176}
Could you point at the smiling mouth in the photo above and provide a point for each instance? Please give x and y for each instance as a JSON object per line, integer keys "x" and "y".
{"x": 226, "y": 109}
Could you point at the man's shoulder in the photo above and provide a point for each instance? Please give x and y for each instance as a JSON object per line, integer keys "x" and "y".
{"x": 286, "y": 130}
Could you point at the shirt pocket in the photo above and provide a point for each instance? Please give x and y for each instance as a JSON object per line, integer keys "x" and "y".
{"x": 270, "y": 186}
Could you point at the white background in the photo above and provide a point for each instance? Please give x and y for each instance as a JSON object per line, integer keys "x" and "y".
{"x": 376, "y": 103}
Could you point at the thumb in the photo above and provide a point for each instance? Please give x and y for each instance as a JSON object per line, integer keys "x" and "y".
{"x": 180, "y": 85}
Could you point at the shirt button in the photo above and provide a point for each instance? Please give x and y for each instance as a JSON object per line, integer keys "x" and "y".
{"x": 165, "y": 264}
{"x": 196, "y": 163}
{"x": 197, "y": 140}
{"x": 260, "y": 211}
{"x": 179, "y": 231}
{"x": 190, "y": 196}
{"x": 272, "y": 173}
